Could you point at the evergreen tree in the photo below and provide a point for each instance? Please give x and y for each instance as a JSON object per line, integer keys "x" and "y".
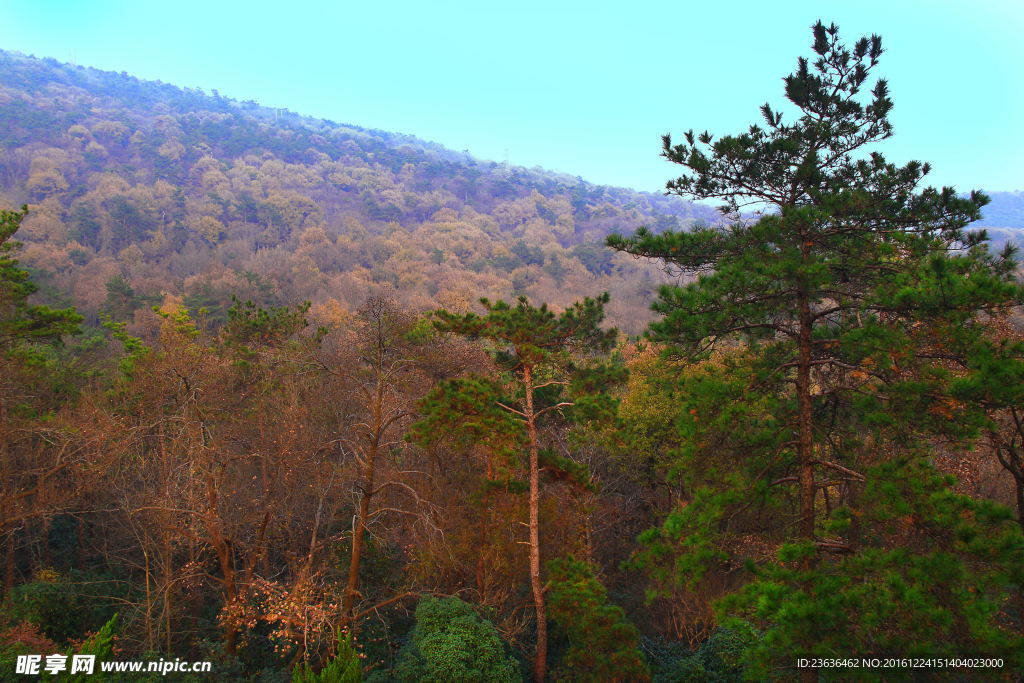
{"x": 344, "y": 667}
{"x": 535, "y": 347}
{"x": 122, "y": 301}
{"x": 20, "y": 321}
{"x": 467, "y": 412}
{"x": 603, "y": 646}
{"x": 101, "y": 646}
{"x": 22, "y": 325}
{"x": 252, "y": 324}
{"x": 853, "y": 292}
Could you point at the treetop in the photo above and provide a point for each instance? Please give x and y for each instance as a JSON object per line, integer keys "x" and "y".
{"x": 534, "y": 335}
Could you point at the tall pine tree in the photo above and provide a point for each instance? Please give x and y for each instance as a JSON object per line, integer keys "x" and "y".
{"x": 539, "y": 351}
{"x": 849, "y": 288}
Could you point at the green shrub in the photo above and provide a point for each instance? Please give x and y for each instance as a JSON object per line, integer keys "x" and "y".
{"x": 452, "y": 644}
{"x": 63, "y": 606}
{"x": 716, "y": 660}
{"x": 343, "y": 668}
{"x": 603, "y": 646}
{"x": 663, "y": 654}
{"x": 27, "y": 639}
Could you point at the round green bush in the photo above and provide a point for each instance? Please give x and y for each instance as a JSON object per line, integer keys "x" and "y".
{"x": 452, "y": 644}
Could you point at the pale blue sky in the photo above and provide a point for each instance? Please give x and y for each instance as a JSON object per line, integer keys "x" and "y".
{"x": 585, "y": 88}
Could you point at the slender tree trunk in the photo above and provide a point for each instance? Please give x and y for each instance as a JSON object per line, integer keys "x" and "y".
{"x": 149, "y": 600}
{"x": 168, "y": 570}
{"x": 225, "y": 555}
{"x": 168, "y": 582}
{"x": 230, "y": 593}
{"x": 359, "y": 533}
{"x": 1011, "y": 463}
{"x": 265, "y": 478}
{"x": 1019, "y": 482}
{"x": 853, "y": 502}
{"x": 540, "y": 663}
{"x": 33, "y": 564}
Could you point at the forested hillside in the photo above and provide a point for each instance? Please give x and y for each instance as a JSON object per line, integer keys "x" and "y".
{"x": 196, "y": 197}
{"x": 1004, "y": 217}
{"x": 284, "y": 476}
{"x": 313, "y": 402}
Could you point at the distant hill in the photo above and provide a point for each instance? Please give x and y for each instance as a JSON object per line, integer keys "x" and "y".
{"x": 186, "y": 196}
{"x": 1005, "y": 211}
{"x": 142, "y": 192}
{"x": 1003, "y": 218}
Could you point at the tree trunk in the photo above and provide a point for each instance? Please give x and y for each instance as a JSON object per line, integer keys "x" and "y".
{"x": 540, "y": 663}
{"x": 485, "y": 518}
{"x": 149, "y": 599}
{"x": 805, "y": 437}
{"x": 168, "y": 583}
{"x": 805, "y": 417}
{"x": 1019, "y": 482}
{"x": 359, "y": 533}
{"x": 230, "y": 593}
{"x": 1012, "y": 464}
{"x": 225, "y": 556}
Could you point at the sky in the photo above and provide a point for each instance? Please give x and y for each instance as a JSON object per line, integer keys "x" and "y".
{"x": 585, "y": 88}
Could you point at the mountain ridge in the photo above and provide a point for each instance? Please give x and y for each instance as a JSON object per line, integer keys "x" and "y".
{"x": 180, "y": 194}
{"x": 186, "y": 197}
{"x": 180, "y": 99}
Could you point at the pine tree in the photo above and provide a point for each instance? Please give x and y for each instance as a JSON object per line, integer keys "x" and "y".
{"x": 122, "y": 301}
{"x": 467, "y": 412}
{"x": 20, "y": 321}
{"x": 603, "y": 646}
{"x": 535, "y": 347}
{"x": 22, "y": 325}
{"x": 851, "y": 292}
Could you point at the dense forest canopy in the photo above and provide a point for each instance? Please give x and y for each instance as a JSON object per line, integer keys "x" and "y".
{"x": 316, "y": 402}
{"x": 183, "y": 193}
